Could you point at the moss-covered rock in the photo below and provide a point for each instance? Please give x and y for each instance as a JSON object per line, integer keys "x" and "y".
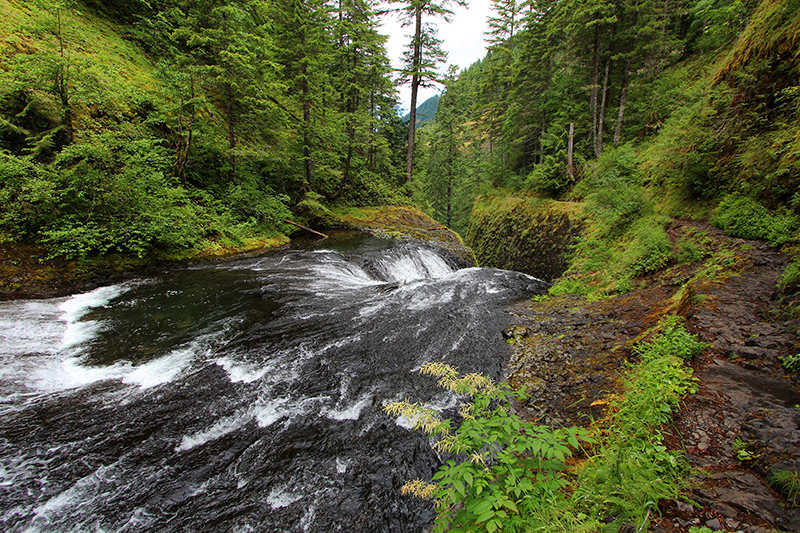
{"x": 523, "y": 234}
{"x": 406, "y": 223}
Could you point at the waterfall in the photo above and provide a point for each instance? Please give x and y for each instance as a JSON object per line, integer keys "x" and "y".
{"x": 243, "y": 395}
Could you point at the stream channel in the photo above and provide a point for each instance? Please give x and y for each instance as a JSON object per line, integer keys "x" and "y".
{"x": 243, "y": 395}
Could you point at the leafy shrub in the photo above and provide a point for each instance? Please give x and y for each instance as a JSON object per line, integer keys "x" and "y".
{"x": 512, "y": 467}
{"x": 791, "y": 276}
{"x": 27, "y": 194}
{"x": 569, "y": 286}
{"x": 673, "y": 340}
{"x": 616, "y": 205}
{"x": 745, "y": 451}
{"x": 791, "y": 362}
{"x": 743, "y": 217}
{"x": 115, "y": 196}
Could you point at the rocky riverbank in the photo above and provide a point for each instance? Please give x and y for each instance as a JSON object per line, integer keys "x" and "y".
{"x": 741, "y": 427}
{"x": 27, "y": 270}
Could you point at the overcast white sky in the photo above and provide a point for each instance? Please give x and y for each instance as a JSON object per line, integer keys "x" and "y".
{"x": 463, "y": 41}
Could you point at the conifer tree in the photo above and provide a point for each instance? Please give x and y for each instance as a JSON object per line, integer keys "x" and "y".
{"x": 423, "y": 55}
{"x": 229, "y": 47}
{"x": 302, "y": 29}
{"x": 364, "y": 85}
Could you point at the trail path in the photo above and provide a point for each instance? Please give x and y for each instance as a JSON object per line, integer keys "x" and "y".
{"x": 570, "y": 352}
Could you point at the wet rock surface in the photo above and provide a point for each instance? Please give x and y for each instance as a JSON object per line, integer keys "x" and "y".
{"x": 743, "y": 424}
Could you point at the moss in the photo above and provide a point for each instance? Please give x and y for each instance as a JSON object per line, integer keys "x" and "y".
{"x": 528, "y": 235}
{"x": 26, "y": 270}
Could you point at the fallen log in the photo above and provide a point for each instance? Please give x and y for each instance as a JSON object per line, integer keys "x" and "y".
{"x": 305, "y": 228}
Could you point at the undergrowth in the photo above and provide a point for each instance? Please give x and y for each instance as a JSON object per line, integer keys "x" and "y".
{"x": 510, "y": 474}
{"x": 744, "y": 217}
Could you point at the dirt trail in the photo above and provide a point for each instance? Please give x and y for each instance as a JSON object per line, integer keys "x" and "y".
{"x": 743, "y": 423}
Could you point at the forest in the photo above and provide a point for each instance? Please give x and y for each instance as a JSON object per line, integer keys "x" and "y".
{"x": 140, "y": 125}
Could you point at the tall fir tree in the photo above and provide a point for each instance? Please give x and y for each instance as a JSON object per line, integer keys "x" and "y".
{"x": 422, "y": 56}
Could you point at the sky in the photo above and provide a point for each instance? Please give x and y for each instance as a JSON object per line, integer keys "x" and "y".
{"x": 463, "y": 40}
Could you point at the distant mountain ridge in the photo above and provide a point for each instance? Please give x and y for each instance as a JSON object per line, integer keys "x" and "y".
{"x": 426, "y": 112}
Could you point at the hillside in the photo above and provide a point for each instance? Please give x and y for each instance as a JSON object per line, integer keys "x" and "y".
{"x": 135, "y": 128}
{"x": 426, "y": 112}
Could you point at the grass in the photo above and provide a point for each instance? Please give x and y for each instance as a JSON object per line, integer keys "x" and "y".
{"x": 787, "y": 483}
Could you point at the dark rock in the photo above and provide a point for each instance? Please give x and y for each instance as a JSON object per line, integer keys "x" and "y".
{"x": 749, "y": 352}
{"x": 725, "y": 510}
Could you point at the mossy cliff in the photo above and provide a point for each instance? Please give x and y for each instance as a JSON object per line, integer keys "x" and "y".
{"x": 524, "y": 234}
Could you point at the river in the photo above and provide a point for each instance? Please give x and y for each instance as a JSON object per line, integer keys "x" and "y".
{"x": 243, "y": 395}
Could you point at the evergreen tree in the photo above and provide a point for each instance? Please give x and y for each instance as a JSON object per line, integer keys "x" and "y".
{"x": 303, "y": 30}
{"x": 364, "y": 87}
{"x": 229, "y": 47}
{"x": 423, "y": 55}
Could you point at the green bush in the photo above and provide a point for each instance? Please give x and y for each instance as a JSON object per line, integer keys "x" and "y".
{"x": 115, "y": 195}
{"x": 650, "y": 249}
{"x": 744, "y": 217}
{"x": 673, "y": 340}
{"x": 512, "y": 479}
{"x": 790, "y": 276}
{"x": 28, "y": 195}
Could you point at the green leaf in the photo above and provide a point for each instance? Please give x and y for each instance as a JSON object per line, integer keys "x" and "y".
{"x": 459, "y": 486}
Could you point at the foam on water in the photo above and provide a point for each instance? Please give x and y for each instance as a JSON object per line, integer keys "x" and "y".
{"x": 221, "y": 428}
{"x": 280, "y": 497}
{"x": 77, "y": 306}
{"x": 418, "y": 264}
{"x": 30, "y": 327}
{"x": 161, "y": 370}
{"x": 350, "y": 412}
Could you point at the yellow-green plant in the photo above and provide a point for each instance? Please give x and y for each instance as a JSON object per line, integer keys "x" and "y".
{"x": 511, "y": 475}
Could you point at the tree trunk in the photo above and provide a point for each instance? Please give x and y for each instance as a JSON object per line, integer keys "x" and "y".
{"x": 62, "y": 84}
{"x": 306, "y": 90}
{"x": 598, "y": 147}
{"x": 595, "y": 86}
{"x": 415, "y": 81}
{"x": 570, "y": 148}
{"x": 231, "y": 132}
{"x": 622, "y": 97}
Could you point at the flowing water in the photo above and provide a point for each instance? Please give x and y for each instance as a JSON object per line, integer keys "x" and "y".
{"x": 240, "y": 396}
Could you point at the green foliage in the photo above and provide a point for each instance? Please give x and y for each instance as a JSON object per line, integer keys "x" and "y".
{"x": 787, "y": 483}
{"x": 649, "y": 250}
{"x": 512, "y": 478}
{"x": 790, "y": 277}
{"x": 568, "y": 285}
{"x": 745, "y": 451}
{"x": 513, "y": 470}
{"x": 143, "y": 126}
{"x": 28, "y": 193}
{"x": 744, "y": 217}
{"x": 673, "y": 339}
{"x": 634, "y": 470}
{"x": 791, "y": 362}
{"x": 115, "y": 195}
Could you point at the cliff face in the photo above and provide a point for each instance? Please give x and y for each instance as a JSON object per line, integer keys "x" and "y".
{"x": 527, "y": 235}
